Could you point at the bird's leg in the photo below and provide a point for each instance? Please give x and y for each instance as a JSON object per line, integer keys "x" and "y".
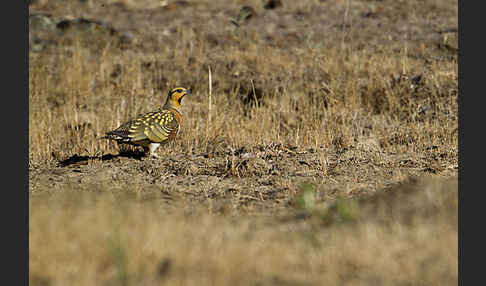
{"x": 152, "y": 147}
{"x": 155, "y": 155}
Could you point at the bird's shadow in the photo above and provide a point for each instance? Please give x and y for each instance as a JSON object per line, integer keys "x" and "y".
{"x": 81, "y": 160}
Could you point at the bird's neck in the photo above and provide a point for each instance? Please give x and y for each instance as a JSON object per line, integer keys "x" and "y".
{"x": 176, "y": 110}
{"x": 169, "y": 106}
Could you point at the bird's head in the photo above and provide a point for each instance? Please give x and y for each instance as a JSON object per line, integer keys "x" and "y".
{"x": 175, "y": 96}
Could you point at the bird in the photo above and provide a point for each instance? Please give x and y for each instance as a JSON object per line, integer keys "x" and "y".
{"x": 153, "y": 129}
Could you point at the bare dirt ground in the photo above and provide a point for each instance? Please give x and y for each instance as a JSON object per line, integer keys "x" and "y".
{"x": 326, "y": 154}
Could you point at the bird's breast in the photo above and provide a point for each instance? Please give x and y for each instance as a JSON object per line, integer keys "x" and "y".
{"x": 177, "y": 115}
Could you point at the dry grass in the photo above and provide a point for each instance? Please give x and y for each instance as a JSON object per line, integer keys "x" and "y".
{"x": 311, "y": 92}
{"x": 406, "y": 238}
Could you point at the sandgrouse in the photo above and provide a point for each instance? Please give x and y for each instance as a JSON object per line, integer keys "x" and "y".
{"x": 152, "y": 129}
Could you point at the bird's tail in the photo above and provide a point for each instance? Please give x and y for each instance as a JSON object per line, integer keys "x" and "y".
{"x": 115, "y": 135}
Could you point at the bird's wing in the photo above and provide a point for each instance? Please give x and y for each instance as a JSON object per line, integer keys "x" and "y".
{"x": 155, "y": 126}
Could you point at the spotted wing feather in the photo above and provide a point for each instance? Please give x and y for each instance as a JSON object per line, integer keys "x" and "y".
{"x": 156, "y": 127}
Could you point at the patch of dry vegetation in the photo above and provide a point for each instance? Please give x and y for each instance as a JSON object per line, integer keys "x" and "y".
{"x": 318, "y": 110}
{"x": 406, "y": 236}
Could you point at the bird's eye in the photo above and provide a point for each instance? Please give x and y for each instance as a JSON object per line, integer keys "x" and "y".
{"x": 179, "y": 90}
